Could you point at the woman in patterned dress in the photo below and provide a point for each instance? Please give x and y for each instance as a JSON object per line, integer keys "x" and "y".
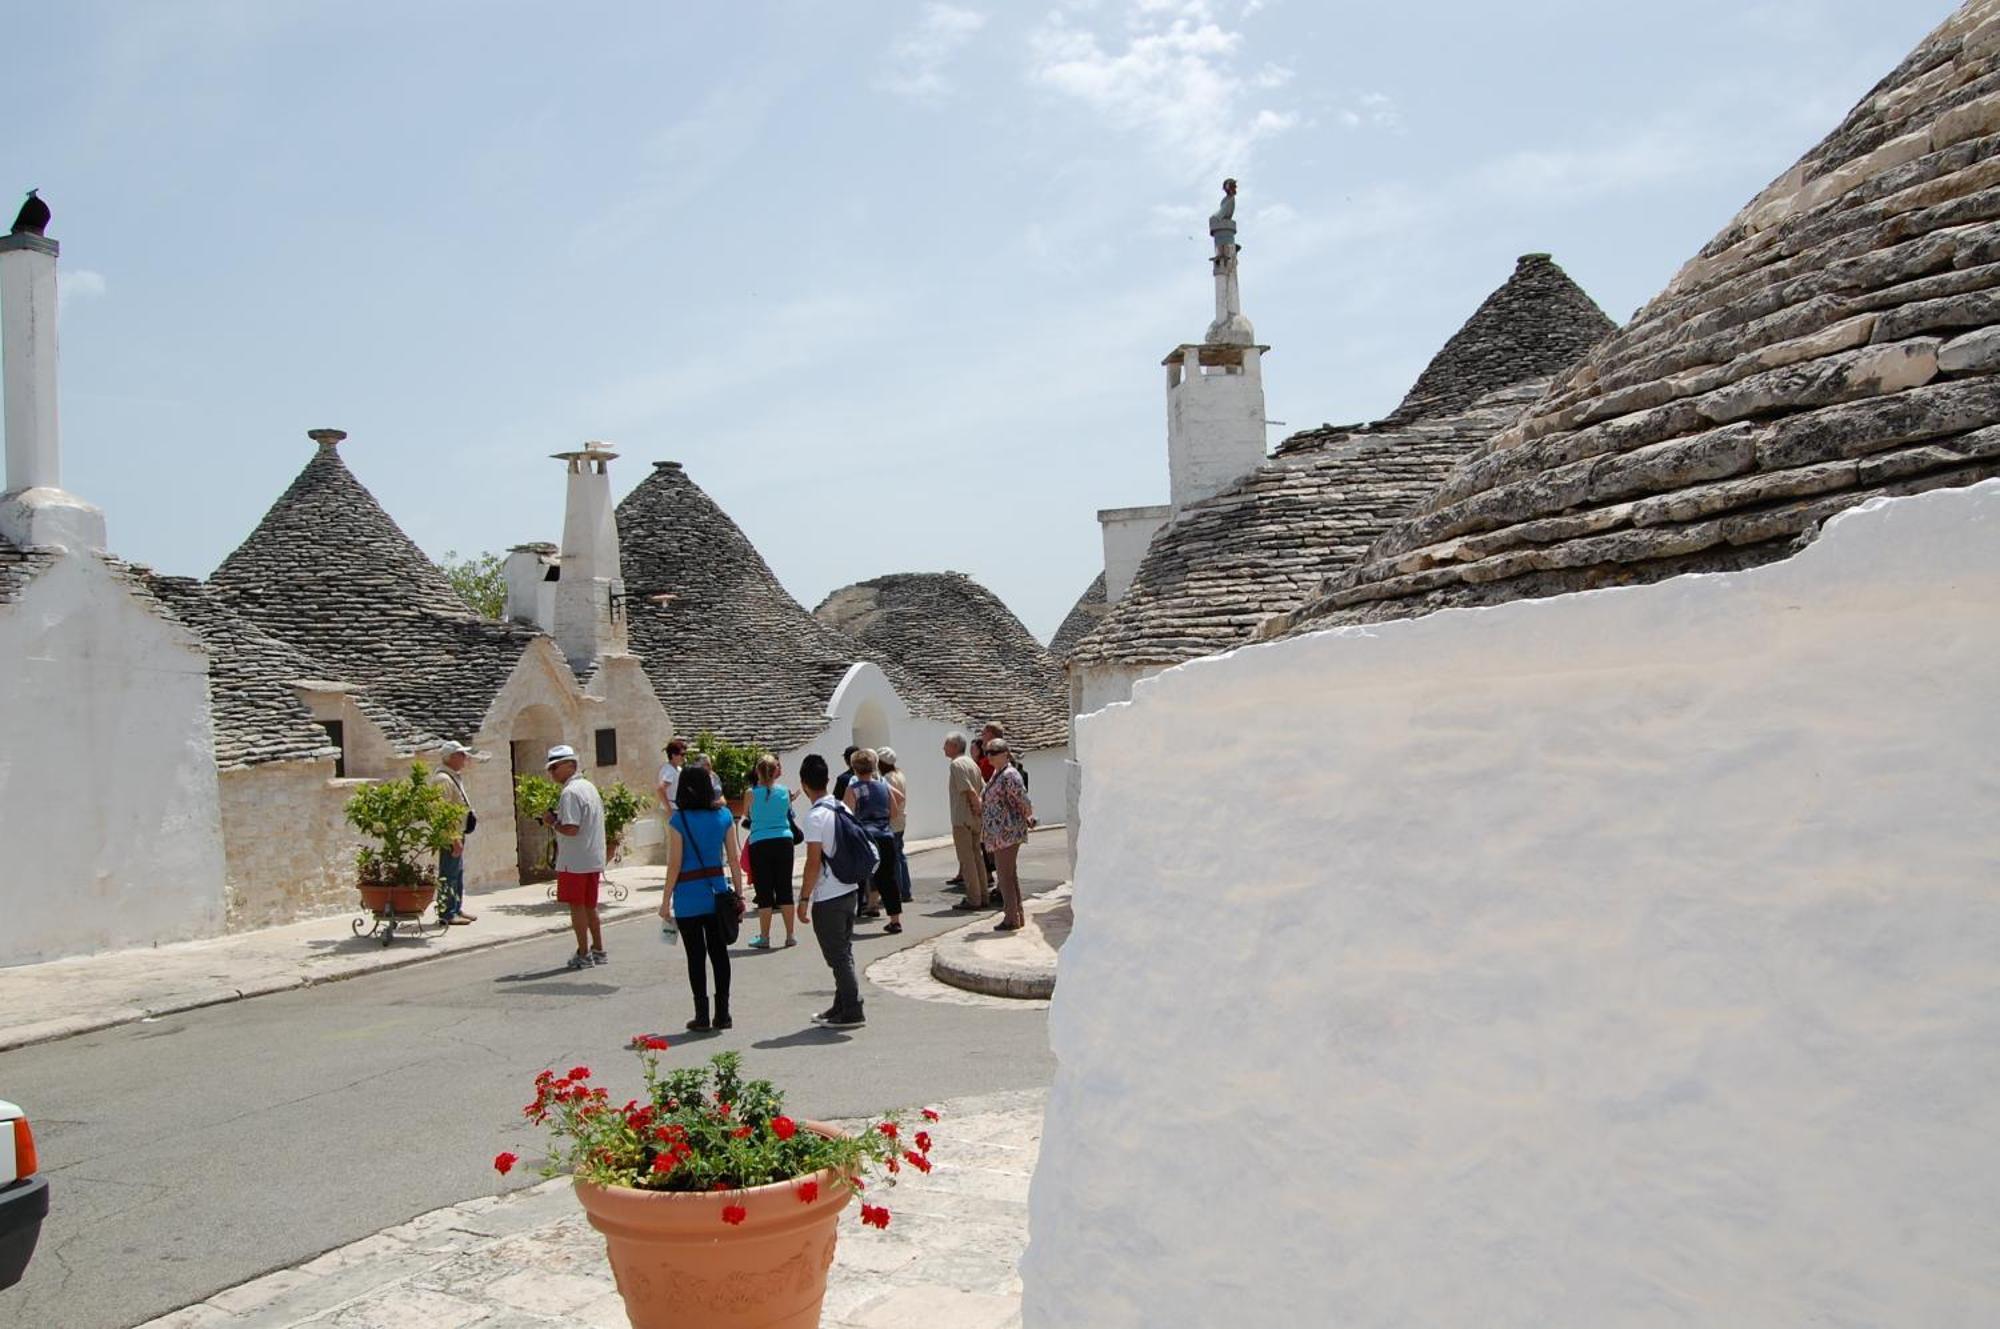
{"x": 1006, "y": 817}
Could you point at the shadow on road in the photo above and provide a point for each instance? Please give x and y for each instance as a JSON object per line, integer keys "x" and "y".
{"x": 813, "y": 1037}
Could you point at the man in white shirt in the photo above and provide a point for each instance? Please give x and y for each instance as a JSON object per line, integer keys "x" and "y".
{"x": 833, "y": 902}
{"x": 578, "y": 822}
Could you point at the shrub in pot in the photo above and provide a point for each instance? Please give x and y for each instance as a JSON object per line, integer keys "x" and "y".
{"x": 717, "y": 1209}
{"x": 734, "y": 764}
{"x": 410, "y": 821}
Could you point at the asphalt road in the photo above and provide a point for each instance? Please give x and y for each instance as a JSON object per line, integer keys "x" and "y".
{"x": 191, "y": 1153}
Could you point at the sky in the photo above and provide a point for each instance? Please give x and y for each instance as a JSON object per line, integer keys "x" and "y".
{"x": 893, "y": 280}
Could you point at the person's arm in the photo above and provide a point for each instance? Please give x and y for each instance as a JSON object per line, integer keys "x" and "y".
{"x": 897, "y": 798}
{"x": 848, "y": 798}
{"x": 813, "y": 856}
{"x": 673, "y": 870}
{"x": 733, "y": 856}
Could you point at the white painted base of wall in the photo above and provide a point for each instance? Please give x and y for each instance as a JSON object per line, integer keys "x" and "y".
{"x": 1626, "y": 958}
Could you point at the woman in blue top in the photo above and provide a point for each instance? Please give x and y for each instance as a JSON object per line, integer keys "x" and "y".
{"x": 701, "y": 846}
{"x": 771, "y": 852}
{"x": 874, "y": 803}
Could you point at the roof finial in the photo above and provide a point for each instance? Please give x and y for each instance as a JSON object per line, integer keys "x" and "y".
{"x": 33, "y": 218}
{"x": 1222, "y": 225}
{"x": 326, "y": 438}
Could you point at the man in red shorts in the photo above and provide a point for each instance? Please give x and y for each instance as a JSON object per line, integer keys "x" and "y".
{"x": 578, "y": 822}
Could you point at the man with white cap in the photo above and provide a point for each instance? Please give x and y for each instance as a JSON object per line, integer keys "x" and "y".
{"x": 451, "y": 863}
{"x": 578, "y": 821}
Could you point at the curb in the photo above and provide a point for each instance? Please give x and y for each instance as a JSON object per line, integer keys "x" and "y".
{"x": 70, "y": 1028}
{"x": 953, "y": 963}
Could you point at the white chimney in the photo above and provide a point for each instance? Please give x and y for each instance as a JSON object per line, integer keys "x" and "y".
{"x": 590, "y": 589}
{"x": 34, "y": 510}
{"x": 1215, "y": 392}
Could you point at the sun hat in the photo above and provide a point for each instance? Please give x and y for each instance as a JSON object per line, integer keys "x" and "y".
{"x": 559, "y": 753}
{"x": 458, "y": 749}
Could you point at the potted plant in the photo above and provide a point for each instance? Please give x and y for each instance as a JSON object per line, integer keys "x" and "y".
{"x": 622, "y": 807}
{"x": 735, "y": 764}
{"x": 536, "y": 794}
{"x": 410, "y": 821}
{"x": 717, "y": 1209}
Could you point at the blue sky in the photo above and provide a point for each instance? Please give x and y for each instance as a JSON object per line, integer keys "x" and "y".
{"x": 893, "y": 280}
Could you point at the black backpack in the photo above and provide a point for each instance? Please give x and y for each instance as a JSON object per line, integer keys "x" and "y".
{"x": 853, "y": 858}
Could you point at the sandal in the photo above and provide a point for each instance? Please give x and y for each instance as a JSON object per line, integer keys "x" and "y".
{"x": 791, "y": 941}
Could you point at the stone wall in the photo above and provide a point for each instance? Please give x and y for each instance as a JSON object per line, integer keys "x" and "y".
{"x": 290, "y": 850}
{"x": 108, "y": 799}
{"x": 1617, "y": 958}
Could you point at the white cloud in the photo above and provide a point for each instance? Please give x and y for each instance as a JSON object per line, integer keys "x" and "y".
{"x": 78, "y": 284}
{"x": 917, "y": 59}
{"x": 1368, "y": 110}
{"x": 1174, "y": 74}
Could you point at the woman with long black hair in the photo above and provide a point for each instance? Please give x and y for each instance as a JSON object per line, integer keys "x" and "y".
{"x": 701, "y": 847}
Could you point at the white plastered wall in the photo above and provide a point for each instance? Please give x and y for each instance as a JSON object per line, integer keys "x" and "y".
{"x": 863, "y": 708}
{"x": 1625, "y": 958}
{"x": 108, "y": 794}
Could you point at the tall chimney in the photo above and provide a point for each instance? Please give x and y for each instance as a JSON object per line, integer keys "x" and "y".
{"x": 590, "y": 589}
{"x": 34, "y": 510}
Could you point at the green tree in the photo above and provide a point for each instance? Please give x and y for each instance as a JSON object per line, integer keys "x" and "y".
{"x": 479, "y": 582}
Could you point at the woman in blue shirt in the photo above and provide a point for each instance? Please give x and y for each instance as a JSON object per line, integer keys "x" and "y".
{"x": 771, "y": 852}
{"x": 701, "y": 846}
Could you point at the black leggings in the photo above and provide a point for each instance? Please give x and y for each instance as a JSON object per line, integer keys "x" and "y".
{"x": 701, "y": 938}
{"x": 888, "y": 878}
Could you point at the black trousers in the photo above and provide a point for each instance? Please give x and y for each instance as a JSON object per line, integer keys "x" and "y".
{"x": 888, "y": 878}
{"x": 701, "y": 937}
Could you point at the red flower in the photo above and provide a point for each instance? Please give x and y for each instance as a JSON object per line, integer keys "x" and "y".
{"x": 784, "y": 1127}
{"x": 504, "y": 1163}
{"x": 895, "y": 1165}
{"x": 579, "y": 1073}
{"x": 664, "y": 1163}
{"x": 733, "y": 1214}
{"x": 741, "y": 1133}
{"x": 874, "y": 1215}
{"x": 649, "y": 1043}
{"x": 924, "y": 1141}
{"x": 808, "y": 1191}
{"x": 930, "y": 1115}
{"x": 917, "y": 1160}
{"x": 888, "y": 1128}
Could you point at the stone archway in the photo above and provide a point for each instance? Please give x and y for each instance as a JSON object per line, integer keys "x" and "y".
{"x": 535, "y": 730}
{"x": 871, "y": 725}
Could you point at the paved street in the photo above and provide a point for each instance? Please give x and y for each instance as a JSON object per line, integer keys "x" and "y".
{"x": 191, "y": 1153}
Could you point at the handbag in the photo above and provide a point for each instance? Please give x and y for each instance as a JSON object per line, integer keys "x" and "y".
{"x": 728, "y": 904}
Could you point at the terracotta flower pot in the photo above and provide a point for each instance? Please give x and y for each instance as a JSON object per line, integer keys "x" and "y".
{"x": 737, "y": 805}
{"x": 680, "y": 1266}
{"x": 377, "y": 898}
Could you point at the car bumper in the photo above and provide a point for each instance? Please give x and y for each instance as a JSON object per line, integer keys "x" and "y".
{"x": 23, "y": 1206}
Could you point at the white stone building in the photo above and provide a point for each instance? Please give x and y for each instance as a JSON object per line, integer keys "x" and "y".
{"x": 108, "y": 792}
{"x": 1637, "y": 964}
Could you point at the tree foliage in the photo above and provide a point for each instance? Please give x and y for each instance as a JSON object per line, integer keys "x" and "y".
{"x": 479, "y": 581}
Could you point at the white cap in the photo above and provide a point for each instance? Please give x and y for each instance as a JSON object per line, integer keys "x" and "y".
{"x": 458, "y": 750}
{"x": 560, "y": 752}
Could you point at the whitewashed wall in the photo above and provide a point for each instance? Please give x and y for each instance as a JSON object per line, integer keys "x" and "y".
{"x": 108, "y": 798}
{"x": 1629, "y": 958}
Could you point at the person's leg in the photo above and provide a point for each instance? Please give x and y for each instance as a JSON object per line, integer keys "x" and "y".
{"x": 580, "y": 925}
{"x": 781, "y": 871}
{"x": 718, "y": 958}
{"x": 833, "y": 924}
{"x": 791, "y": 914}
{"x": 596, "y": 929}
{"x": 903, "y": 870}
{"x": 971, "y": 867}
{"x": 1008, "y": 861}
{"x": 451, "y": 885}
{"x": 888, "y": 885}
{"x": 694, "y": 941}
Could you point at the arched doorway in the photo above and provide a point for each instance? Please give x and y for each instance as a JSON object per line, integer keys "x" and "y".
{"x": 536, "y": 730}
{"x": 871, "y": 726}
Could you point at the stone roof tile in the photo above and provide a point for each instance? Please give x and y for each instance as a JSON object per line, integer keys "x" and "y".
{"x": 20, "y": 566}
{"x": 726, "y": 646}
{"x": 330, "y": 574}
{"x": 1835, "y": 342}
{"x": 1082, "y": 617}
{"x": 962, "y": 641}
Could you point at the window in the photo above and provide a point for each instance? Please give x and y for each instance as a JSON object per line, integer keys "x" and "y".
{"x": 336, "y": 732}
{"x": 607, "y": 747}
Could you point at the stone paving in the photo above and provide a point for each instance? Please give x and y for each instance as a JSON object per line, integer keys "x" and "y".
{"x": 530, "y": 1260}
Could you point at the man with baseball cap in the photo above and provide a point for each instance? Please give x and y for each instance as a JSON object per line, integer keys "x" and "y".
{"x": 578, "y": 821}
{"x": 451, "y": 863}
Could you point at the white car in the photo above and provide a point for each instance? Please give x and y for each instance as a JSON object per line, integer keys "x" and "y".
{"x": 24, "y": 1194}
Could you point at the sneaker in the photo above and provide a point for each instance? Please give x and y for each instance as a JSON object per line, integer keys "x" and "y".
{"x": 956, "y": 881}
{"x": 822, "y": 1017}
{"x": 598, "y": 957}
{"x": 967, "y": 906}
{"x": 893, "y": 928}
{"x": 577, "y": 961}
{"x": 791, "y": 942}
{"x": 760, "y": 943}
{"x": 854, "y": 1021}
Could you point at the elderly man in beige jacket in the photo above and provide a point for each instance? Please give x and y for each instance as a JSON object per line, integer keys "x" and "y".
{"x": 963, "y": 786}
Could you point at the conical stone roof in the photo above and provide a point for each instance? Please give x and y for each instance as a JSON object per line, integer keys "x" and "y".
{"x": 1837, "y": 341}
{"x": 726, "y": 646}
{"x": 1082, "y": 617}
{"x": 959, "y": 638}
{"x": 328, "y": 573}
{"x": 1536, "y": 325}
